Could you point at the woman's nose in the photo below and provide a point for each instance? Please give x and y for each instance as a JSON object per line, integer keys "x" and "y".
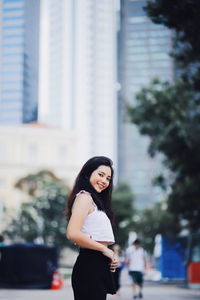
{"x": 103, "y": 180}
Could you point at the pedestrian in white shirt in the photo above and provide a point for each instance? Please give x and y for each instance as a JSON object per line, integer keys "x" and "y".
{"x": 136, "y": 261}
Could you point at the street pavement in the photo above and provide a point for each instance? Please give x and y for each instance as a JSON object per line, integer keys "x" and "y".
{"x": 152, "y": 291}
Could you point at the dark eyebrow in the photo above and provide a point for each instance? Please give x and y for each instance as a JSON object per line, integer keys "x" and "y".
{"x": 105, "y": 174}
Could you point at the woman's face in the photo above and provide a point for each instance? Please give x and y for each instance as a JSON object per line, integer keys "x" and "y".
{"x": 100, "y": 178}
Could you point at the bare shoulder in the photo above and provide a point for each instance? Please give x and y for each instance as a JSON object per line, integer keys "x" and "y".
{"x": 83, "y": 199}
{"x": 83, "y": 192}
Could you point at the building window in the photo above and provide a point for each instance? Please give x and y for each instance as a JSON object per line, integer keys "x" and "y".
{"x": 33, "y": 152}
{"x": 138, "y": 19}
{"x": 3, "y": 154}
{"x": 62, "y": 154}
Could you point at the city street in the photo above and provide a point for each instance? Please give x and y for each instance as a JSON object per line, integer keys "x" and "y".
{"x": 152, "y": 291}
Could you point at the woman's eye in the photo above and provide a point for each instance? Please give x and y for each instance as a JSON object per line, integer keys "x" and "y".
{"x": 100, "y": 174}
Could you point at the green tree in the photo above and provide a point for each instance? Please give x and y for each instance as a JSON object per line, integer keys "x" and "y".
{"x": 155, "y": 220}
{"x": 41, "y": 216}
{"x": 123, "y": 207}
{"x": 169, "y": 113}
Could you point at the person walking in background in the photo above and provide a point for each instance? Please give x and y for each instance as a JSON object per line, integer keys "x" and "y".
{"x": 90, "y": 219}
{"x": 136, "y": 262}
{"x": 118, "y": 255}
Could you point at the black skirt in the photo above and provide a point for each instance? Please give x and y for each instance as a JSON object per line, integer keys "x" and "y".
{"x": 91, "y": 276}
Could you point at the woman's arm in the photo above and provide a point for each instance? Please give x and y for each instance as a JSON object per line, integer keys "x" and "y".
{"x": 82, "y": 206}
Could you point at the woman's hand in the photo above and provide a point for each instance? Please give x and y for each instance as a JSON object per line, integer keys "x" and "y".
{"x": 114, "y": 264}
{"x": 110, "y": 254}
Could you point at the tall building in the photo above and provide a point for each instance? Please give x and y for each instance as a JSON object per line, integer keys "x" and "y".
{"x": 19, "y": 41}
{"x": 78, "y": 72}
{"x": 143, "y": 55}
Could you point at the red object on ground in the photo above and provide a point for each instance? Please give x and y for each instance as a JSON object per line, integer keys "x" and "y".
{"x": 194, "y": 272}
{"x": 56, "y": 281}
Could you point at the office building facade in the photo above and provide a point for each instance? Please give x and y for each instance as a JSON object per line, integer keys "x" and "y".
{"x": 78, "y": 72}
{"x": 143, "y": 55}
{"x": 19, "y": 41}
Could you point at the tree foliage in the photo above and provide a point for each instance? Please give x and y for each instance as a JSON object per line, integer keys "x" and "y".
{"x": 170, "y": 113}
{"x": 123, "y": 207}
{"x": 41, "y": 216}
{"x": 155, "y": 220}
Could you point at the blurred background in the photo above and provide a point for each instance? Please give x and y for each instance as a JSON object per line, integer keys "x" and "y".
{"x": 80, "y": 78}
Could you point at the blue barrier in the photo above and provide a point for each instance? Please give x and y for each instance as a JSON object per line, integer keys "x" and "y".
{"x": 172, "y": 260}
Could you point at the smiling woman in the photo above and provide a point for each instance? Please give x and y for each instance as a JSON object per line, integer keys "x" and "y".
{"x": 100, "y": 178}
{"x": 90, "y": 213}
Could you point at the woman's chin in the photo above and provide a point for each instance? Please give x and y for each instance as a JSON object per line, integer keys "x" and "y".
{"x": 98, "y": 190}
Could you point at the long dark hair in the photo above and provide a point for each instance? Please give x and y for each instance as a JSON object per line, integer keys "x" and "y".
{"x": 82, "y": 182}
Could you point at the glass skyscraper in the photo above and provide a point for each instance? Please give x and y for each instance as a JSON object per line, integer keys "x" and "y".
{"x": 143, "y": 55}
{"x": 19, "y": 50}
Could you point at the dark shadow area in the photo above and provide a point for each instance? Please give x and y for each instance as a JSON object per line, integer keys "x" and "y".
{"x": 27, "y": 266}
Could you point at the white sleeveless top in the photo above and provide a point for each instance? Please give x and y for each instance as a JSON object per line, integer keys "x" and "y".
{"x": 97, "y": 225}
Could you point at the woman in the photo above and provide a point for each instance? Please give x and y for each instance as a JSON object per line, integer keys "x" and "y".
{"x": 89, "y": 209}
